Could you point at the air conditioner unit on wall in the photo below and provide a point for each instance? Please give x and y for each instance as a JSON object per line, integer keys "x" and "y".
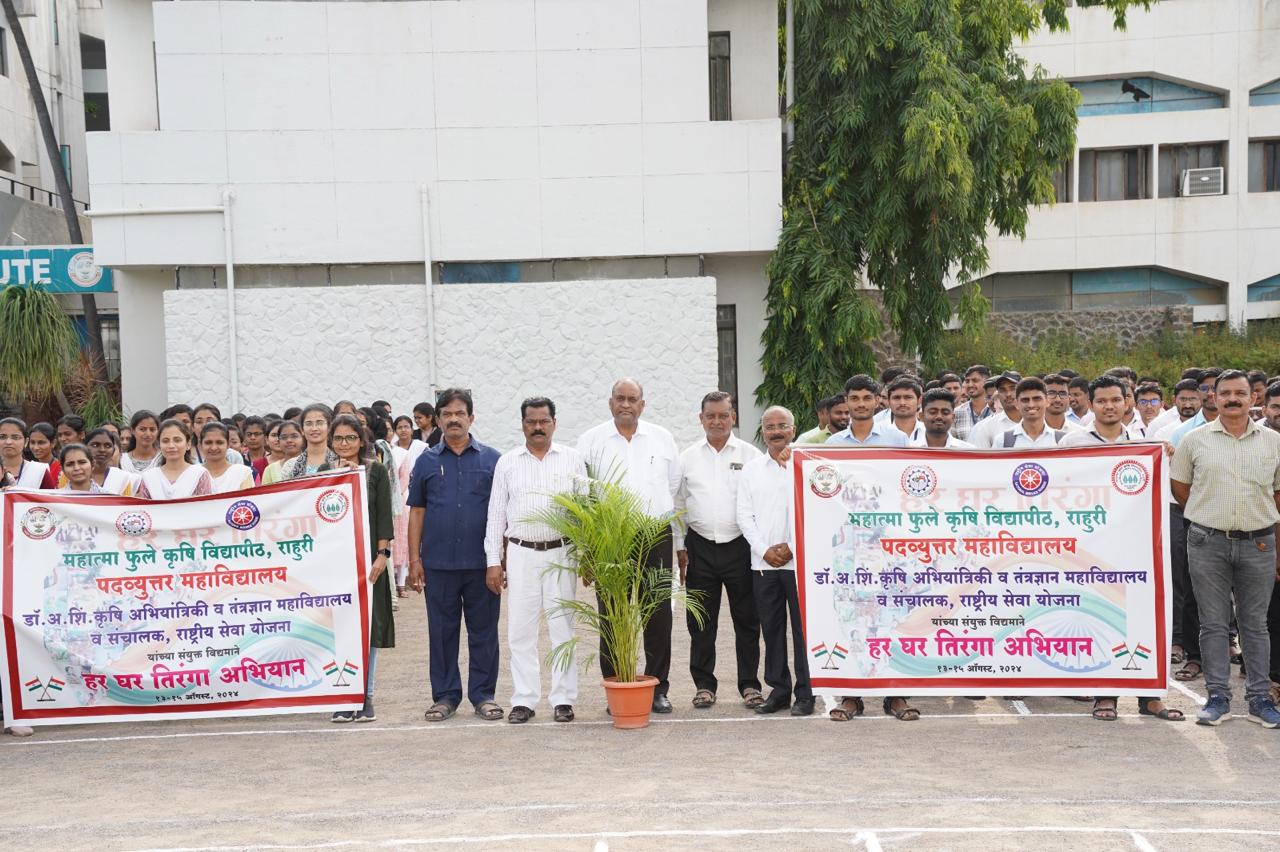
{"x": 1202, "y": 182}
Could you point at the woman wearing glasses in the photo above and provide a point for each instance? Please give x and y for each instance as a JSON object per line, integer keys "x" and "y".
{"x": 352, "y": 449}
{"x": 26, "y": 473}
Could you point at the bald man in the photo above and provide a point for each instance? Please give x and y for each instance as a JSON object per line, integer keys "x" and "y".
{"x": 644, "y": 458}
{"x": 764, "y": 516}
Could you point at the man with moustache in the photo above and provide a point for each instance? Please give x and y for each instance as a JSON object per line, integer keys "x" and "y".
{"x": 985, "y": 434}
{"x": 529, "y": 560}
{"x": 976, "y": 406}
{"x": 448, "y": 510}
{"x": 1226, "y": 476}
{"x": 643, "y": 458}
{"x": 713, "y": 555}
{"x": 1186, "y": 404}
{"x": 1208, "y": 407}
{"x": 837, "y": 421}
{"x": 937, "y": 413}
{"x": 764, "y": 515}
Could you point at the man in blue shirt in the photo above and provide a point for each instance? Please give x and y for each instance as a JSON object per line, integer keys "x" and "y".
{"x": 449, "y": 507}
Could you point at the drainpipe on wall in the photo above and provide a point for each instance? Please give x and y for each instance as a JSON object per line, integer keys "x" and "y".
{"x": 431, "y": 308}
{"x": 790, "y": 72}
{"x": 228, "y": 241}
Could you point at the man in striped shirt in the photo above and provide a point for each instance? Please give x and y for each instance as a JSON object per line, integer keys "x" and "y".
{"x": 977, "y": 406}
{"x": 526, "y": 557}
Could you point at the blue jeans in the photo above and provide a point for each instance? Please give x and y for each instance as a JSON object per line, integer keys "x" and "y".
{"x": 1220, "y": 567}
{"x": 370, "y": 673}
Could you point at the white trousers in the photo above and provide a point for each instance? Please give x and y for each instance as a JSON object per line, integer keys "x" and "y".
{"x": 534, "y": 588}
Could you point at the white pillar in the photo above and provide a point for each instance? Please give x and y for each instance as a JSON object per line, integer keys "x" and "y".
{"x": 131, "y": 66}
{"x": 142, "y": 346}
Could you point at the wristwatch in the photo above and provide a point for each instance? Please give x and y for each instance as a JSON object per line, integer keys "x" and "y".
{"x": 386, "y": 551}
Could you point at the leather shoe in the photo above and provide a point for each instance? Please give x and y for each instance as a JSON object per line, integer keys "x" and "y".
{"x": 773, "y": 704}
{"x": 802, "y": 707}
{"x": 661, "y": 704}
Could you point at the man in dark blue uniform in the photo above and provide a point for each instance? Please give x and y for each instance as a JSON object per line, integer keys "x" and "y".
{"x": 449, "y": 505}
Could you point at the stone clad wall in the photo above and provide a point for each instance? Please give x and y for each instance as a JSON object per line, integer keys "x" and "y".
{"x": 1125, "y": 326}
{"x": 566, "y": 340}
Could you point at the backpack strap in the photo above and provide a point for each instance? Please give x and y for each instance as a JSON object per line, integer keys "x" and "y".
{"x": 1009, "y": 439}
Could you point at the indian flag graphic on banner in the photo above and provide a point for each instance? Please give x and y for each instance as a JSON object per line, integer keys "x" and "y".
{"x": 1142, "y": 651}
{"x": 331, "y": 667}
{"x": 56, "y": 685}
{"x": 1121, "y": 649}
{"x": 350, "y": 668}
{"x": 33, "y": 684}
{"x": 820, "y": 649}
{"x": 840, "y": 651}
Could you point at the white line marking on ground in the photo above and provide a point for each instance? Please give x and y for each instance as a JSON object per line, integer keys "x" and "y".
{"x": 1022, "y": 708}
{"x": 723, "y": 832}
{"x": 1141, "y": 843}
{"x": 871, "y": 842}
{"x": 1187, "y": 691}
{"x": 446, "y": 726}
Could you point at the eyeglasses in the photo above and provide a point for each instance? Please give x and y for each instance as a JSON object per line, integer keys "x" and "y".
{"x": 1206, "y": 388}
{"x": 345, "y": 439}
{"x": 315, "y": 424}
{"x": 1056, "y": 394}
{"x": 1148, "y": 402}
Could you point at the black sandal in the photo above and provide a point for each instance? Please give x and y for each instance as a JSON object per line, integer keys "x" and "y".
{"x": 1098, "y": 710}
{"x": 518, "y": 715}
{"x": 1168, "y": 714}
{"x": 906, "y": 714}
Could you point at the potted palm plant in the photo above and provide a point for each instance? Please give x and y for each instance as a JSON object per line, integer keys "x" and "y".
{"x": 609, "y": 535}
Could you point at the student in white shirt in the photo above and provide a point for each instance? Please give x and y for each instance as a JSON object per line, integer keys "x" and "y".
{"x": 643, "y": 458}
{"x": 904, "y": 402}
{"x": 937, "y": 414}
{"x": 764, "y": 515}
{"x": 1030, "y": 430}
{"x": 713, "y": 554}
{"x": 984, "y": 435}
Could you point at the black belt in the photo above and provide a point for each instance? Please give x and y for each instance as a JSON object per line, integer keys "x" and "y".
{"x": 539, "y": 545}
{"x": 1240, "y": 535}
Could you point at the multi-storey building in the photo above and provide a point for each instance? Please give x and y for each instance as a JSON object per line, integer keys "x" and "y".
{"x": 535, "y": 195}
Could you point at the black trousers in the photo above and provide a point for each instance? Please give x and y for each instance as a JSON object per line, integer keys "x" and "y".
{"x": 776, "y": 599}
{"x": 657, "y": 633}
{"x": 1273, "y": 627}
{"x": 713, "y": 567}
{"x": 1186, "y": 616}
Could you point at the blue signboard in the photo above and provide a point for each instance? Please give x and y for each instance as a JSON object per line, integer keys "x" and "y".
{"x": 60, "y": 269}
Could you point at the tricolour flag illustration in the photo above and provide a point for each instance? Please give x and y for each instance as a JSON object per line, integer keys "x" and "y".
{"x": 819, "y": 649}
{"x": 331, "y": 667}
{"x": 840, "y": 651}
{"x": 33, "y": 684}
{"x": 1121, "y": 649}
{"x": 350, "y": 668}
{"x": 1142, "y": 651}
{"x": 56, "y": 685}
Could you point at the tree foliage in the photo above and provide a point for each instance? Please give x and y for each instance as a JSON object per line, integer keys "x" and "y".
{"x": 917, "y": 125}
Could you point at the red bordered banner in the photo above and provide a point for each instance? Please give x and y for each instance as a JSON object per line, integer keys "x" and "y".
{"x": 961, "y": 572}
{"x": 253, "y": 602}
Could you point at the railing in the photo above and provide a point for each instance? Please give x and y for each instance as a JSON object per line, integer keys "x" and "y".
{"x": 36, "y": 194}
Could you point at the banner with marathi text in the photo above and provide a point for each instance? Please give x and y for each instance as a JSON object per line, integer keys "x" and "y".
{"x": 246, "y": 603}
{"x": 957, "y": 572}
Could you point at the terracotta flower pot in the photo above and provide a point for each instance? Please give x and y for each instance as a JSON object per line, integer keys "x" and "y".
{"x": 630, "y": 703}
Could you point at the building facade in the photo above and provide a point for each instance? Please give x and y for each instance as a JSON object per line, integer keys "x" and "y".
{"x": 323, "y": 157}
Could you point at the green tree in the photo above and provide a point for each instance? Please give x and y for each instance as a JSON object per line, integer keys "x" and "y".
{"x": 917, "y": 125}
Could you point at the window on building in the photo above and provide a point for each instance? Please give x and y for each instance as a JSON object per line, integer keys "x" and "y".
{"x": 718, "y": 53}
{"x": 111, "y": 344}
{"x": 1265, "y": 95}
{"x": 1176, "y": 159}
{"x": 1114, "y": 174}
{"x": 1062, "y": 183}
{"x": 1266, "y": 290}
{"x": 1140, "y": 287}
{"x": 1264, "y": 165}
{"x": 4, "y": 52}
{"x": 1127, "y": 95}
{"x": 727, "y": 347}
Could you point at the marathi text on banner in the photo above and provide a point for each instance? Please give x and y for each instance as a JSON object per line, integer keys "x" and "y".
{"x": 246, "y": 603}
{"x": 928, "y": 572}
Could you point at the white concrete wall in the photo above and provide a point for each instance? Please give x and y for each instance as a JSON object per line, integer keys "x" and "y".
{"x": 741, "y": 282}
{"x": 565, "y": 340}
{"x": 131, "y": 67}
{"x": 555, "y": 128}
{"x": 1230, "y": 45}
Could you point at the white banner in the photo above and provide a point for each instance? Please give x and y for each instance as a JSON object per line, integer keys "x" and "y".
{"x": 955, "y": 572}
{"x": 239, "y": 604}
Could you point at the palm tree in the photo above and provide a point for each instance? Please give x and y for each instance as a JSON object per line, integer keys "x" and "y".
{"x": 88, "y": 303}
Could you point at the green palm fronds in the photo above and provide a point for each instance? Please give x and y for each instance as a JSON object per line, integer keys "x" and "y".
{"x": 37, "y": 342}
{"x": 609, "y": 535}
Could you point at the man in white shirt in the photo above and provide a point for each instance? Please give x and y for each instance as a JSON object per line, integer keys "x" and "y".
{"x": 1079, "y": 412}
{"x": 643, "y": 458}
{"x": 529, "y": 560}
{"x": 861, "y": 392}
{"x": 713, "y": 554}
{"x": 904, "y": 402}
{"x": 1150, "y": 398}
{"x": 1057, "y": 405}
{"x": 1030, "y": 431}
{"x": 1107, "y": 398}
{"x": 984, "y": 435}
{"x": 937, "y": 413}
{"x": 764, "y": 515}
{"x": 1186, "y": 405}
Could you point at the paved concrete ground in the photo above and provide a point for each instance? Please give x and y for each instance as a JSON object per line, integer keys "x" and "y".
{"x": 970, "y": 775}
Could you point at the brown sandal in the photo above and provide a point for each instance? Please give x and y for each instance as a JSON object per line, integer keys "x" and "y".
{"x": 703, "y": 699}
{"x": 1186, "y": 673}
{"x": 849, "y": 707}
{"x": 440, "y": 711}
{"x": 752, "y": 698}
{"x": 1100, "y": 712}
{"x": 906, "y": 714}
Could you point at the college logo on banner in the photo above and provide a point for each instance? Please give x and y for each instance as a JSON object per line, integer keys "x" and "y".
{"x": 133, "y": 523}
{"x": 243, "y": 515}
{"x": 332, "y": 506}
{"x": 38, "y": 523}
{"x": 1030, "y": 479}
{"x": 1129, "y": 477}
{"x": 825, "y": 481}
{"x": 919, "y": 480}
